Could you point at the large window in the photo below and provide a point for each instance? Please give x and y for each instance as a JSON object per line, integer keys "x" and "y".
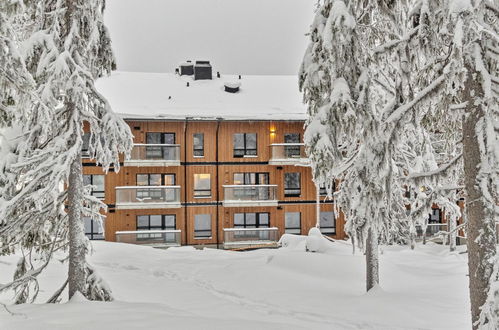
{"x": 155, "y": 180}
{"x": 157, "y": 151}
{"x": 292, "y": 184}
{"x": 328, "y": 223}
{"x": 251, "y": 220}
{"x": 156, "y": 222}
{"x": 202, "y": 226}
{"x": 251, "y": 178}
{"x": 93, "y": 229}
{"x": 245, "y": 144}
{"x": 292, "y": 222}
{"x": 202, "y": 185}
{"x": 292, "y": 151}
{"x": 198, "y": 139}
{"x": 98, "y": 183}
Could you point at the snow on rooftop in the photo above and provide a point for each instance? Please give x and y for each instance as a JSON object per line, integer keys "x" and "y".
{"x": 137, "y": 95}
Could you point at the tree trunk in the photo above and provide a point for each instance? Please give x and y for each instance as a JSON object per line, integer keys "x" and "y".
{"x": 372, "y": 263}
{"x": 481, "y": 224}
{"x": 77, "y": 248}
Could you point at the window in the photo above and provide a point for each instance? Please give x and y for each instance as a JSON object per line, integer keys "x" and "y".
{"x": 251, "y": 178}
{"x": 98, "y": 181}
{"x": 292, "y": 223}
{"x": 156, "y": 222}
{"x": 198, "y": 139}
{"x": 435, "y": 216}
{"x": 323, "y": 190}
{"x": 292, "y": 184}
{"x": 93, "y": 229}
{"x": 251, "y": 220}
{"x": 202, "y": 226}
{"x": 245, "y": 144}
{"x": 158, "y": 151}
{"x": 328, "y": 223}
{"x": 202, "y": 185}
{"x": 292, "y": 151}
{"x": 85, "y": 145}
{"x": 155, "y": 180}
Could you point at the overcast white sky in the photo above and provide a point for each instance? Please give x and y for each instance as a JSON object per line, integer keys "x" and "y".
{"x": 237, "y": 36}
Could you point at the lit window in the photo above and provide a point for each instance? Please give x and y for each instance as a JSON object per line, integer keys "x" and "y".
{"x": 202, "y": 185}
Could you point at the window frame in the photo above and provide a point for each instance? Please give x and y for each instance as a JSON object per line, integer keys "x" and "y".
{"x": 322, "y": 228}
{"x": 94, "y": 192}
{"x": 289, "y": 230}
{"x": 197, "y": 231}
{"x": 257, "y": 220}
{"x": 198, "y": 193}
{"x": 94, "y": 235}
{"x": 292, "y": 191}
{"x": 157, "y": 236}
{"x": 246, "y": 151}
{"x": 197, "y": 148}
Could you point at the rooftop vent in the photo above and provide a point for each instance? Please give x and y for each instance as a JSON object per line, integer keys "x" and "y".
{"x": 186, "y": 68}
{"x": 232, "y": 87}
{"x": 202, "y": 70}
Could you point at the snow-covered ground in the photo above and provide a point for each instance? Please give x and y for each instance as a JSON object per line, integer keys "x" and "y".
{"x": 287, "y": 288}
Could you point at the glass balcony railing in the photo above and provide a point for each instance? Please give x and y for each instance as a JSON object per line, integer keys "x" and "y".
{"x": 250, "y": 195}
{"x": 287, "y": 154}
{"x": 247, "y": 237}
{"x": 154, "y": 155}
{"x": 150, "y": 237}
{"x": 144, "y": 197}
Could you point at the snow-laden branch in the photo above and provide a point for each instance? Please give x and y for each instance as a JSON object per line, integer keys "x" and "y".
{"x": 442, "y": 169}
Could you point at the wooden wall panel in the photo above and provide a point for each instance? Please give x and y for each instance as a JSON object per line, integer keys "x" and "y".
{"x": 210, "y": 132}
{"x": 226, "y": 142}
{"x": 191, "y": 212}
{"x": 201, "y": 169}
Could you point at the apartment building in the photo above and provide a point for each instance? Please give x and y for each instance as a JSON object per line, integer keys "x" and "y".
{"x": 214, "y": 160}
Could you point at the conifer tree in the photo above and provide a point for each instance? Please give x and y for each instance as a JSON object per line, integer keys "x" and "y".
{"x": 65, "y": 48}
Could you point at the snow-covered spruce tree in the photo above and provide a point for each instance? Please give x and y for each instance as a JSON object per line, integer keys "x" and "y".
{"x": 67, "y": 48}
{"x": 453, "y": 49}
{"x": 345, "y": 132}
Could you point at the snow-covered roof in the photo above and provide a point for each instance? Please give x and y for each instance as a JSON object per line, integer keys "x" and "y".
{"x": 137, "y": 95}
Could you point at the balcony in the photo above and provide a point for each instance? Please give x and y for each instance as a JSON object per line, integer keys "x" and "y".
{"x": 288, "y": 154}
{"x": 250, "y": 195}
{"x": 148, "y": 197}
{"x": 154, "y": 155}
{"x": 237, "y": 238}
{"x": 157, "y": 238}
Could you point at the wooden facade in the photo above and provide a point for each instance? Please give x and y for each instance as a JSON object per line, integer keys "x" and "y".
{"x": 220, "y": 163}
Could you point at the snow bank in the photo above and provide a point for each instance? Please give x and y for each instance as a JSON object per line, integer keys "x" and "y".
{"x": 285, "y": 288}
{"x": 314, "y": 242}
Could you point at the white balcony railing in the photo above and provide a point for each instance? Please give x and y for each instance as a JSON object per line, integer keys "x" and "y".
{"x": 288, "y": 154}
{"x": 150, "y": 237}
{"x": 250, "y": 195}
{"x": 154, "y": 155}
{"x": 147, "y": 197}
{"x": 247, "y": 237}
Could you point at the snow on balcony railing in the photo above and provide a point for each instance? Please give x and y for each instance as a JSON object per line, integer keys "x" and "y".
{"x": 260, "y": 194}
{"x": 288, "y": 153}
{"x": 247, "y": 237}
{"x": 169, "y": 237}
{"x": 154, "y": 155}
{"x": 144, "y": 197}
